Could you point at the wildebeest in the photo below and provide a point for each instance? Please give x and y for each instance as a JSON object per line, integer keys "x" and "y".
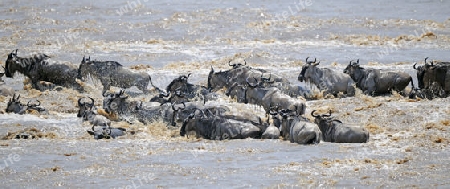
{"x": 433, "y": 78}
{"x": 237, "y": 74}
{"x": 326, "y": 79}
{"x": 88, "y": 112}
{"x": 334, "y": 130}
{"x": 268, "y": 97}
{"x": 298, "y": 129}
{"x": 375, "y": 81}
{"x": 285, "y": 87}
{"x": 217, "y": 128}
{"x": 118, "y": 103}
{"x": 107, "y": 132}
{"x": 38, "y": 69}
{"x": 180, "y": 90}
{"x": 111, "y": 73}
{"x": 15, "y": 106}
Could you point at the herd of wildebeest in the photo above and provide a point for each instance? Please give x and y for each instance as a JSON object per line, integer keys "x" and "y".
{"x": 182, "y": 104}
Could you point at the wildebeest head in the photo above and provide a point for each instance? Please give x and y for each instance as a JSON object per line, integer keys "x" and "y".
{"x": 189, "y": 123}
{"x": 237, "y": 91}
{"x": 35, "y": 106}
{"x": 217, "y": 80}
{"x": 14, "y": 105}
{"x": 96, "y": 68}
{"x": 114, "y": 103}
{"x": 308, "y": 70}
{"x": 180, "y": 83}
{"x": 323, "y": 120}
{"x": 15, "y": 63}
{"x": 425, "y": 73}
{"x": 84, "y": 106}
{"x": 176, "y": 109}
{"x": 354, "y": 70}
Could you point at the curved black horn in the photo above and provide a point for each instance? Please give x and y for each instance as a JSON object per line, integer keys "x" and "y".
{"x": 104, "y": 93}
{"x": 307, "y": 59}
{"x": 426, "y": 61}
{"x": 92, "y": 103}
{"x": 312, "y": 114}
{"x": 17, "y": 98}
{"x": 414, "y": 66}
{"x": 39, "y": 103}
{"x": 28, "y": 104}
{"x": 79, "y": 102}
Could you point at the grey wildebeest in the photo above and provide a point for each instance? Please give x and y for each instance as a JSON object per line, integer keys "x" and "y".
{"x": 434, "y": 78}
{"x": 268, "y": 97}
{"x": 375, "y": 81}
{"x": 15, "y": 106}
{"x": 106, "y": 132}
{"x": 217, "y": 128}
{"x": 88, "y": 112}
{"x": 237, "y": 74}
{"x": 327, "y": 80}
{"x": 180, "y": 90}
{"x": 125, "y": 109}
{"x": 334, "y": 130}
{"x": 111, "y": 73}
{"x": 37, "y": 69}
{"x": 298, "y": 129}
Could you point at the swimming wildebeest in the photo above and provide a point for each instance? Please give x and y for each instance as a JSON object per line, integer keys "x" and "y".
{"x": 111, "y": 73}
{"x": 107, "y": 132}
{"x": 268, "y": 97}
{"x": 88, "y": 112}
{"x": 38, "y": 69}
{"x": 327, "y": 80}
{"x": 334, "y": 130}
{"x": 180, "y": 90}
{"x": 237, "y": 74}
{"x": 375, "y": 81}
{"x": 434, "y": 78}
{"x": 218, "y": 128}
{"x": 298, "y": 129}
{"x": 15, "y": 106}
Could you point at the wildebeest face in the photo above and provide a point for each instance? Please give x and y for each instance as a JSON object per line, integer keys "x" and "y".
{"x": 307, "y": 70}
{"x": 237, "y": 91}
{"x": 301, "y": 76}
{"x": 352, "y": 68}
{"x": 14, "y": 105}
{"x": 84, "y": 106}
{"x": 425, "y": 73}
{"x": 85, "y": 67}
{"x": 217, "y": 80}
{"x": 11, "y": 63}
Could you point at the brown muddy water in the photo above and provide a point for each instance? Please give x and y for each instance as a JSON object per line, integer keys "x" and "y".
{"x": 409, "y": 139}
